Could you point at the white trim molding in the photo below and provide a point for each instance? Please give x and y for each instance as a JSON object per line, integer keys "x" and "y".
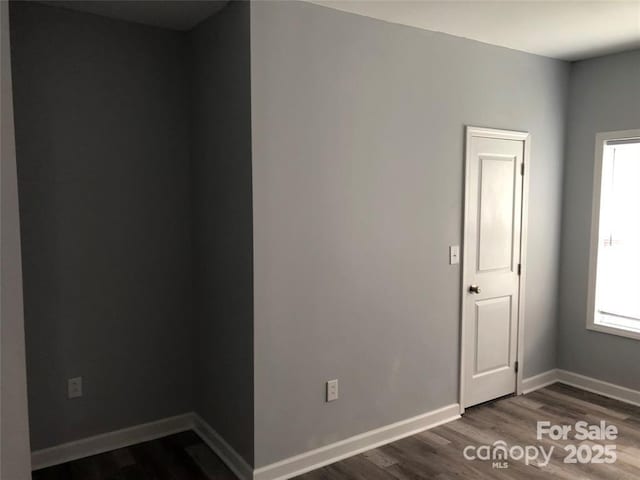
{"x": 307, "y": 461}
{"x": 222, "y": 449}
{"x": 105, "y": 442}
{"x": 600, "y": 387}
{"x": 524, "y": 235}
{"x": 319, "y": 457}
{"x": 283, "y": 469}
{"x": 593, "y": 385}
{"x": 601, "y": 139}
{"x": 544, "y": 379}
{"x": 525, "y": 138}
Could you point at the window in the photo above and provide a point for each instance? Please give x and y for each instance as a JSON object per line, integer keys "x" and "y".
{"x": 614, "y": 283}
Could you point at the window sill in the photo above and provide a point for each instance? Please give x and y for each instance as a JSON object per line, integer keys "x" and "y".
{"x": 612, "y": 330}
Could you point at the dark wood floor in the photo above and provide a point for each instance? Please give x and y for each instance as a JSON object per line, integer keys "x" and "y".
{"x": 183, "y": 456}
{"x": 435, "y": 454}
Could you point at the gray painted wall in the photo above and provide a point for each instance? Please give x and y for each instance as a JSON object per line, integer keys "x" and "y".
{"x": 221, "y": 193}
{"x": 603, "y": 97}
{"x": 358, "y": 133}
{"x": 15, "y": 459}
{"x": 102, "y": 148}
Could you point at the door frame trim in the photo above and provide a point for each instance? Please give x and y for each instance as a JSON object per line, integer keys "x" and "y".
{"x": 471, "y": 132}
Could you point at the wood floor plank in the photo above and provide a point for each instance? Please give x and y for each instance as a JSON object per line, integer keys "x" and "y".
{"x": 209, "y": 462}
{"x": 379, "y": 458}
{"x": 163, "y": 459}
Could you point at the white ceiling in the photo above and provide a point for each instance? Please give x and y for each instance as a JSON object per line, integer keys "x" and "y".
{"x": 568, "y": 30}
{"x": 172, "y": 14}
{"x": 564, "y": 29}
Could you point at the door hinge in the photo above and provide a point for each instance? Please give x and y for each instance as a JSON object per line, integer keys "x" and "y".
{"x": 519, "y": 269}
{"x": 517, "y": 366}
{"x": 522, "y": 168}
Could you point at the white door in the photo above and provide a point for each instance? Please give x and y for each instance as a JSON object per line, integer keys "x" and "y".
{"x": 491, "y": 271}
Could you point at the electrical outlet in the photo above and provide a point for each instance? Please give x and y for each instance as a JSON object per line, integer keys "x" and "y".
{"x": 332, "y": 390}
{"x": 74, "y": 387}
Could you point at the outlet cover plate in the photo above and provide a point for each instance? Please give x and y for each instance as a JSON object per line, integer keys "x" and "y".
{"x": 74, "y": 387}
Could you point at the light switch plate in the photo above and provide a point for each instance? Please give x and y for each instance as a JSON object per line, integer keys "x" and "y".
{"x": 332, "y": 390}
{"x": 454, "y": 255}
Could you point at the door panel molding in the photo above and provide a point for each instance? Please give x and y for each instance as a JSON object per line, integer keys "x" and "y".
{"x": 485, "y": 264}
{"x": 484, "y": 364}
{"x": 524, "y": 137}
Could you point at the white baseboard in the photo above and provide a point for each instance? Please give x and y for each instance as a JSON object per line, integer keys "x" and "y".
{"x": 610, "y": 390}
{"x": 222, "y": 449}
{"x": 284, "y": 469}
{"x": 105, "y": 442}
{"x": 319, "y": 457}
{"x": 539, "y": 381}
{"x": 600, "y": 387}
{"x": 312, "y": 459}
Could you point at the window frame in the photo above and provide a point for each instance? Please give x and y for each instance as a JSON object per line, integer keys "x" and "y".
{"x": 601, "y": 139}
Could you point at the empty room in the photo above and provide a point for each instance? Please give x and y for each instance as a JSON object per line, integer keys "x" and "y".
{"x": 274, "y": 239}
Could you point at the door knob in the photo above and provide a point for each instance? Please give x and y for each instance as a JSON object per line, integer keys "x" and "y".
{"x": 474, "y": 289}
